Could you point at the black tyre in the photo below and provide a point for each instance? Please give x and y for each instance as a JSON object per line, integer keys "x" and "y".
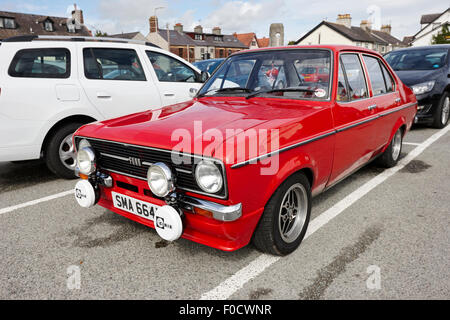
{"x": 441, "y": 114}
{"x": 391, "y": 155}
{"x": 59, "y": 153}
{"x": 285, "y": 218}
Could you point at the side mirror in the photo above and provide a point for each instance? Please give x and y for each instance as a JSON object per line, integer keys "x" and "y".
{"x": 192, "y": 92}
{"x": 204, "y": 76}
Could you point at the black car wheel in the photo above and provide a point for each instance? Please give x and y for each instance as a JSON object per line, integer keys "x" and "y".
{"x": 285, "y": 218}
{"x": 59, "y": 152}
{"x": 442, "y": 112}
{"x": 391, "y": 155}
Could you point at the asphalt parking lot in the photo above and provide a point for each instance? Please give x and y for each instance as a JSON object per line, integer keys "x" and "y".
{"x": 380, "y": 234}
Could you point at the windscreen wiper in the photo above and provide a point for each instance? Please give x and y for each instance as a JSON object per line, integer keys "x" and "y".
{"x": 231, "y": 89}
{"x": 279, "y": 90}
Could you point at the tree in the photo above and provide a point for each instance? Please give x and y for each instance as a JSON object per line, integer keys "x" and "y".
{"x": 99, "y": 33}
{"x": 442, "y": 37}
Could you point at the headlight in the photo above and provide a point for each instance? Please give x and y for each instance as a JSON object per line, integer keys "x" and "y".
{"x": 83, "y": 143}
{"x": 86, "y": 160}
{"x": 424, "y": 87}
{"x": 208, "y": 176}
{"x": 160, "y": 179}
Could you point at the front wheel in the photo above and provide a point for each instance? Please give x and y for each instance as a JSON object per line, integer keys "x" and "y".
{"x": 391, "y": 155}
{"x": 285, "y": 218}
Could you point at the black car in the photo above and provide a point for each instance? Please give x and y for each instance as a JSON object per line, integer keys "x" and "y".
{"x": 427, "y": 71}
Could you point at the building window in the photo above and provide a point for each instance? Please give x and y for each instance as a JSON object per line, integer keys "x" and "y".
{"x": 253, "y": 43}
{"x": 48, "y": 26}
{"x": 366, "y": 45}
{"x": 7, "y": 23}
{"x": 218, "y": 38}
{"x": 229, "y": 52}
{"x": 198, "y": 37}
{"x": 383, "y": 49}
{"x": 221, "y": 53}
{"x": 180, "y": 52}
{"x": 358, "y": 44}
{"x": 202, "y": 50}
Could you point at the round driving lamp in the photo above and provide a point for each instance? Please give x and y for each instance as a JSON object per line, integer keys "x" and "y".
{"x": 86, "y": 160}
{"x": 83, "y": 144}
{"x": 160, "y": 179}
{"x": 208, "y": 176}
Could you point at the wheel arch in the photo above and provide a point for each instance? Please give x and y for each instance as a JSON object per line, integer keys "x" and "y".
{"x": 79, "y": 118}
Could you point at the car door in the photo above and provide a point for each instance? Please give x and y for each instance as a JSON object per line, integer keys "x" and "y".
{"x": 177, "y": 81}
{"x": 384, "y": 96}
{"x": 115, "y": 81}
{"x": 354, "y": 118}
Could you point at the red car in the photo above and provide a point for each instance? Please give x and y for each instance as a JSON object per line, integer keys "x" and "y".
{"x": 240, "y": 163}
{"x": 315, "y": 74}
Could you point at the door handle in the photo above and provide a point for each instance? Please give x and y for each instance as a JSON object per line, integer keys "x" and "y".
{"x": 169, "y": 94}
{"x": 397, "y": 100}
{"x": 372, "y": 107}
{"x": 103, "y": 95}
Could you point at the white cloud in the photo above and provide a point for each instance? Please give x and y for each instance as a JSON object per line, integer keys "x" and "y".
{"x": 116, "y": 16}
{"x": 245, "y": 16}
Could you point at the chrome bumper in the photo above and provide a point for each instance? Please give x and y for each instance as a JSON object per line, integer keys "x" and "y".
{"x": 220, "y": 212}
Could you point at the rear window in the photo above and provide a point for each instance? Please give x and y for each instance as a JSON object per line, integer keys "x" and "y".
{"x": 41, "y": 63}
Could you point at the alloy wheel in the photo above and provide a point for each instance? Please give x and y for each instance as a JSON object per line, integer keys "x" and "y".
{"x": 293, "y": 212}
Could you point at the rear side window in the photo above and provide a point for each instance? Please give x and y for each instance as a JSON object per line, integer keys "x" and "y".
{"x": 356, "y": 81}
{"x": 112, "y": 64}
{"x": 342, "y": 93}
{"x": 387, "y": 78}
{"x": 376, "y": 75}
{"x": 41, "y": 63}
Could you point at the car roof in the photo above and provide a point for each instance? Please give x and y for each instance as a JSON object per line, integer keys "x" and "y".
{"x": 336, "y": 48}
{"x": 434, "y": 46}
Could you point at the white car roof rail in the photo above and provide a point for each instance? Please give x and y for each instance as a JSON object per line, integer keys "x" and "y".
{"x": 28, "y": 38}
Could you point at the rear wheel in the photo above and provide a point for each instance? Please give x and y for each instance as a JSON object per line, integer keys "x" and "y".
{"x": 285, "y": 218}
{"x": 391, "y": 155}
{"x": 442, "y": 112}
{"x": 60, "y": 153}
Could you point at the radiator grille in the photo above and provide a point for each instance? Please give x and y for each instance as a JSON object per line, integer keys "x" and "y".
{"x": 114, "y": 156}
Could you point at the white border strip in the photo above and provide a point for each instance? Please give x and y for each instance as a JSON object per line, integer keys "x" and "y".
{"x": 33, "y": 202}
{"x": 234, "y": 283}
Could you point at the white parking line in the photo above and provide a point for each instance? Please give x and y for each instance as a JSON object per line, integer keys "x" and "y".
{"x": 412, "y": 143}
{"x": 235, "y": 282}
{"x": 33, "y": 202}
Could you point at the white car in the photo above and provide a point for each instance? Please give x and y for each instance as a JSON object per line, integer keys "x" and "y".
{"x": 50, "y": 86}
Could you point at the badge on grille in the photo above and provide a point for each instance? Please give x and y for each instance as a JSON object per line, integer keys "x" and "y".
{"x": 134, "y": 161}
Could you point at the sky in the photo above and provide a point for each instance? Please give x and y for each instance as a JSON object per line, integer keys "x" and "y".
{"x": 298, "y": 16}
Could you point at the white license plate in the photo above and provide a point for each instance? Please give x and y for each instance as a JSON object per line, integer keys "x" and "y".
{"x": 140, "y": 208}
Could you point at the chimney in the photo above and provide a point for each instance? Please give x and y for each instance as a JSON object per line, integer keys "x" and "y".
{"x": 178, "y": 27}
{"x": 386, "y": 28}
{"x": 198, "y": 29}
{"x": 153, "y": 24}
{"x": 77, "y": 14}
{"x": 366, "y": 25}
{"x": 345, "y": 20}
{"x": 216, "y": 31}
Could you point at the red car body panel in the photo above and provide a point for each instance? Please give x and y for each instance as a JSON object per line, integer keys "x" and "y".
{"x": 338, "y": 144}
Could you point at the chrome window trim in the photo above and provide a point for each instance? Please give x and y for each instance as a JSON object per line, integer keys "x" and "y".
{"x": 330, "y": 85}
